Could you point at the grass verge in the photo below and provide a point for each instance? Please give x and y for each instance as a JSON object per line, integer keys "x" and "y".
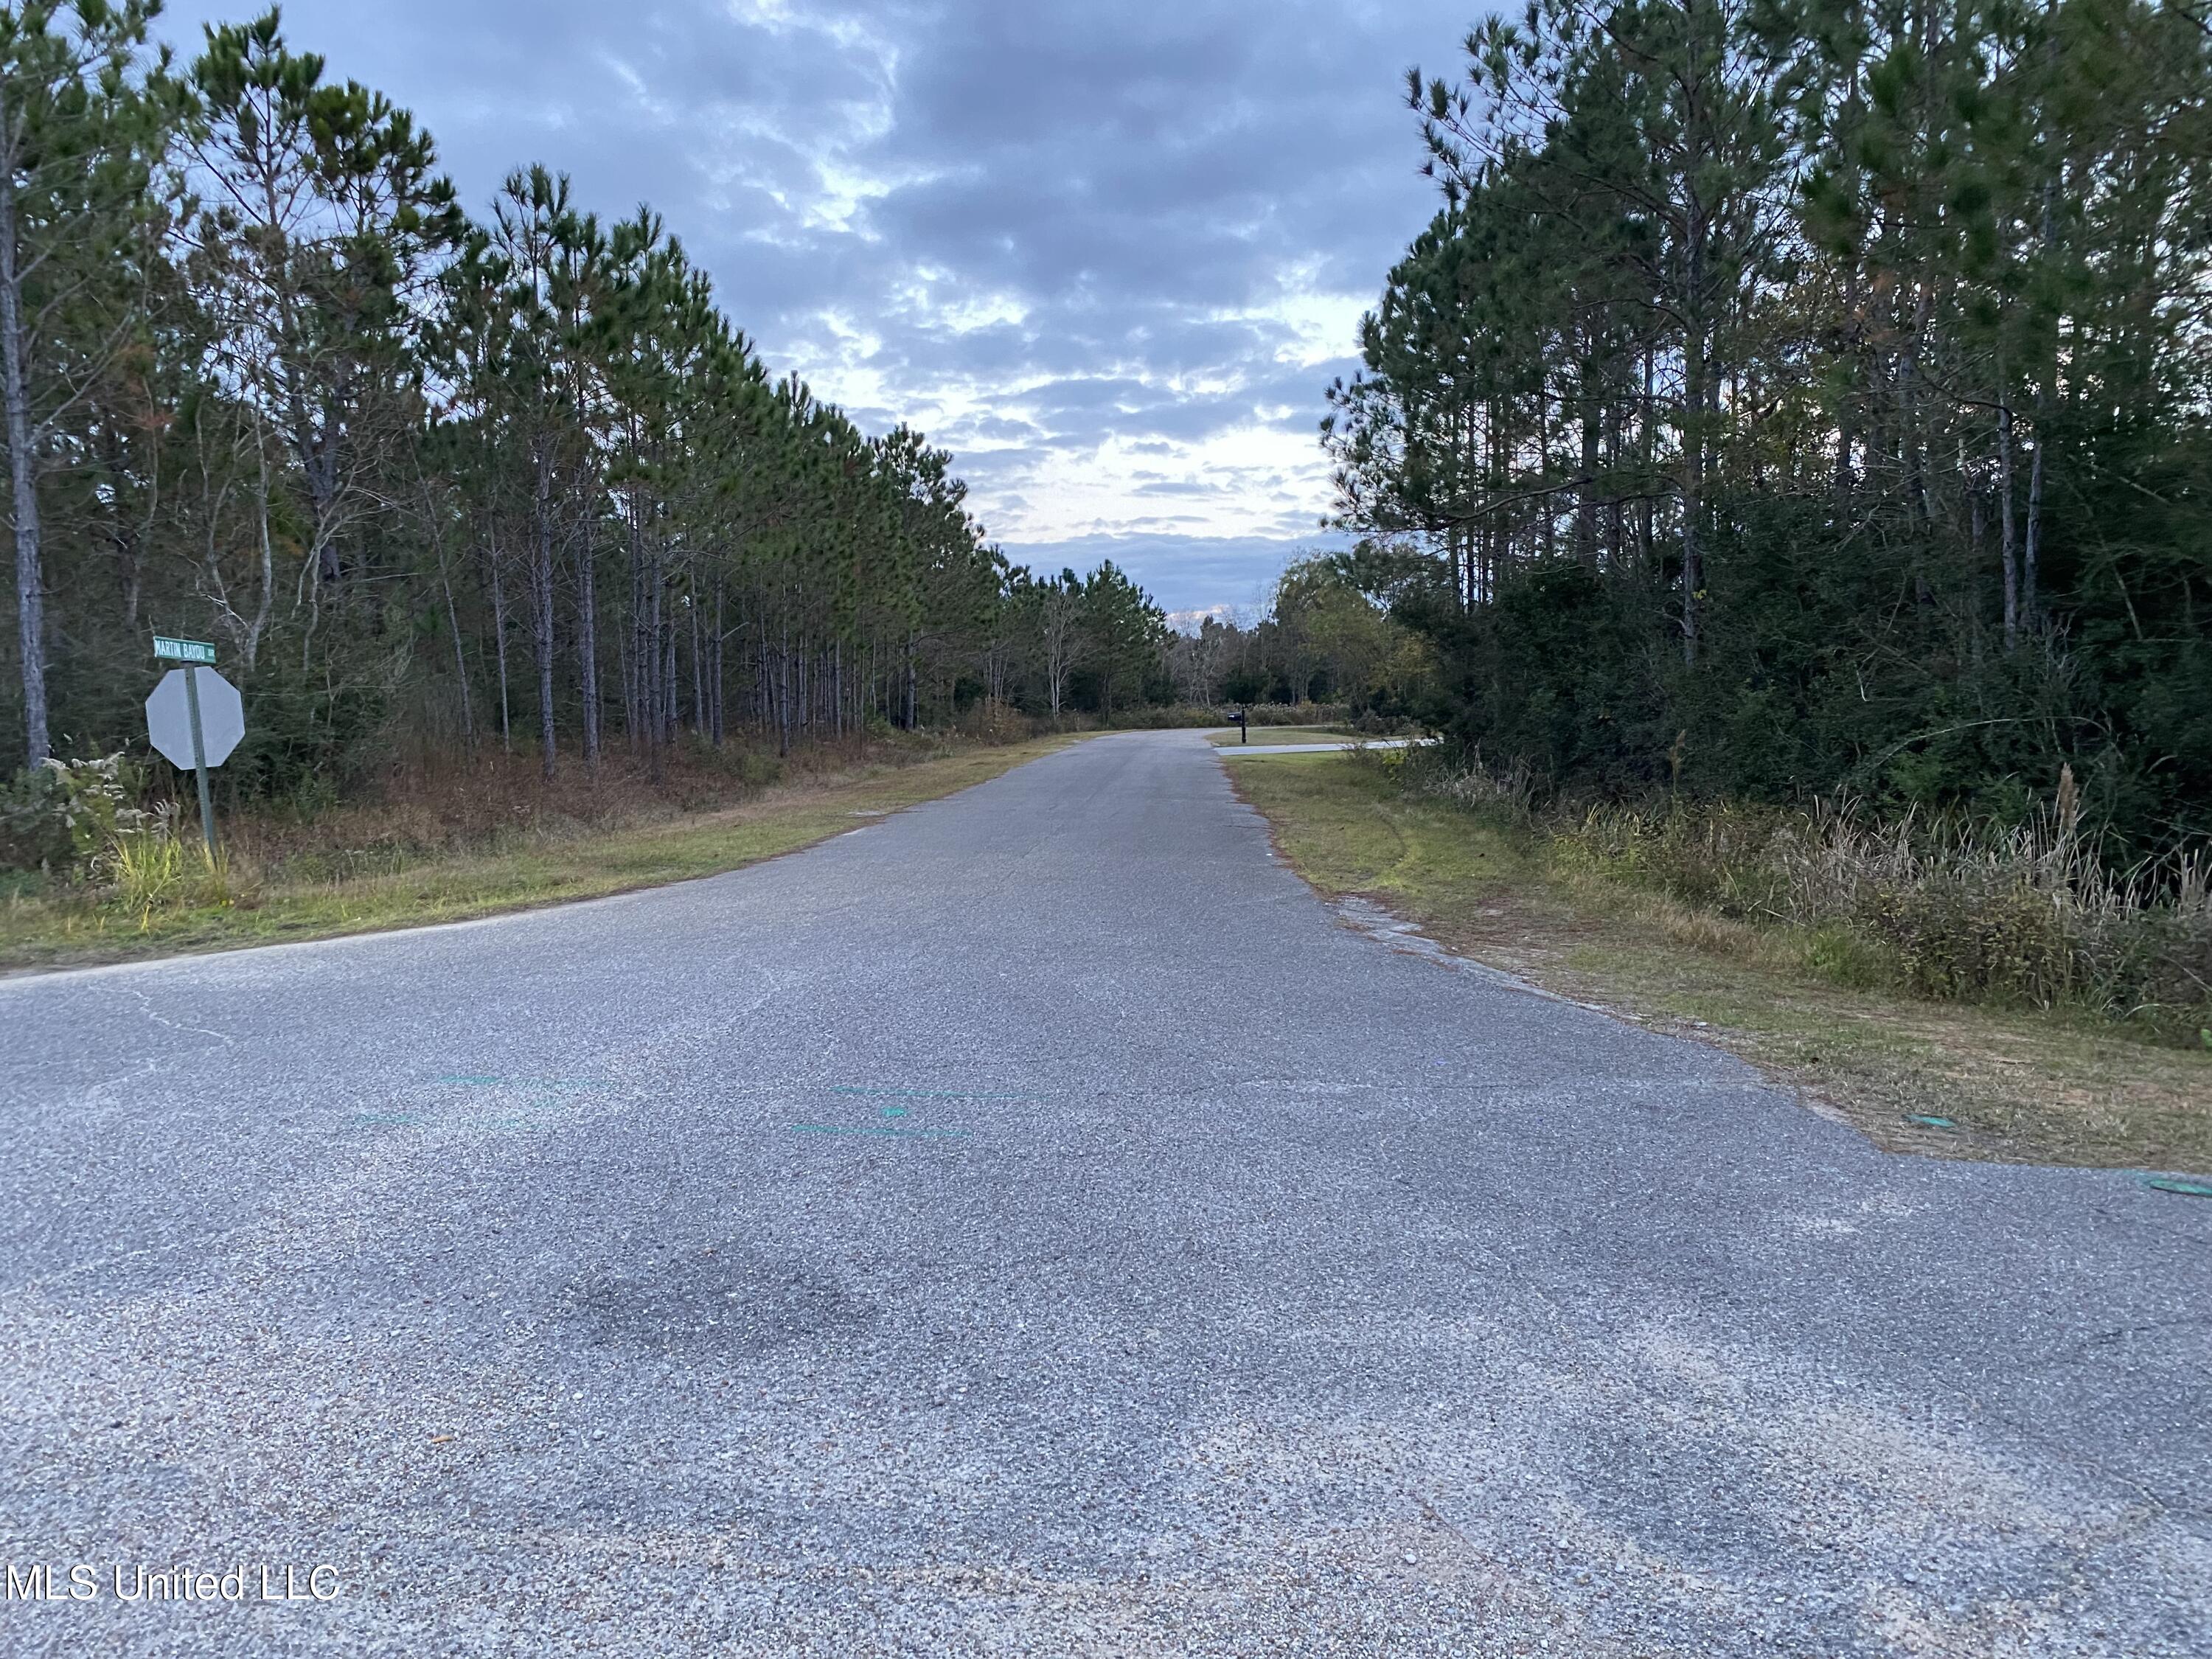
{"x": 71, "y": 929}
{"x": 2014, "y": 1085}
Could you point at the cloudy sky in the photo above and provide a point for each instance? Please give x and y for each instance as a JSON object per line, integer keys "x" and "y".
{"x": 1108, "y": 251}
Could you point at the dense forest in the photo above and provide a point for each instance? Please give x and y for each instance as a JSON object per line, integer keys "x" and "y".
{"x": 1789, "y": 398}
{"x": 508, "y": 481}
{"x": 1802, "y": 396}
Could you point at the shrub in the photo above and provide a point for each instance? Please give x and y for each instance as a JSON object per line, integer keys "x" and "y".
{"x": 1840, "y": 951}
{"x": 992, "y": 720}
{"x": 34, "y": 826}
{"x": 1960, "y": 940}
{"x": 1950, "y": 910}
{"x": 64, "y": 815}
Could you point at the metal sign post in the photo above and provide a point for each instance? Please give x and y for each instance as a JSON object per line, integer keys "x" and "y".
{"x": 199, "y": 760}
{"x": 195, "y": 721}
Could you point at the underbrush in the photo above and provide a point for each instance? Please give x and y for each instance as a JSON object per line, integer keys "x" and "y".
{"x": 2026, "y": 915}
{"x": 436, "y": 805}
{"x": 450, "y": 845}
{"x": 110, "y": 841}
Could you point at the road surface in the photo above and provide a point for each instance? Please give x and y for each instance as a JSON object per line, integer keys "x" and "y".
{"x": 1034, "y": 1225}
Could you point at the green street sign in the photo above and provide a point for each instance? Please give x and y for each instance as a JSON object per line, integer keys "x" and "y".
{"x": 169, "y": 650}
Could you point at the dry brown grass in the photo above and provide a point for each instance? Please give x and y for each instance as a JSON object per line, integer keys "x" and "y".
{"x": 2014, "y": 1082}
{"x": 479, "y": 841}
{"x": 2025, "y": 914}
{"x": 436, "y": 804}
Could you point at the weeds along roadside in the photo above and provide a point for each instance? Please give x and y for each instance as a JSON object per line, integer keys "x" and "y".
{"x": 114, "y": 841}
{"x": 113, "y": 830}
{"x": 2025, "y": 915}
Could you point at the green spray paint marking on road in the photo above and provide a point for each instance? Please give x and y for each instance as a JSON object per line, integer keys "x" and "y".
{"x": 925, "y": 1094}
{"x": 874, "y": 1129}
{"x": 1931, "y": 1122}
{"x": 2168, "y": 1184}
{"x": 526, "y": 1082}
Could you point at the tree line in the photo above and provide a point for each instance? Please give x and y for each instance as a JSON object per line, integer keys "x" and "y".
{"x": 1803, "y": 395}
{"x": 508, "y": 479}
{"x": 1319, "y": 638}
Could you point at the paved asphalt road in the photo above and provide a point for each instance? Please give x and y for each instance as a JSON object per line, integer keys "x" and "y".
{"x": 1033, "y": 1223}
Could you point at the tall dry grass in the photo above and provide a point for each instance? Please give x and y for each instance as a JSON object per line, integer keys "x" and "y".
{"x": 2024, "y": 913}
{"x": 143, "y": 856}
{"x": 436, "y": 804}
{"x": 159, "y": 864}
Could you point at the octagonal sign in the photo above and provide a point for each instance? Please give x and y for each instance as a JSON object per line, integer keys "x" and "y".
{"x": 169, "y": 717}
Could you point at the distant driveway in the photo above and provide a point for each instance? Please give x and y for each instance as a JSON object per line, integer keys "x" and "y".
{"x": 1233, "y": 747}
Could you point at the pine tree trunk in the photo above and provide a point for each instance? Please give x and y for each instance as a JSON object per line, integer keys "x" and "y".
{"x": 2007, "y": 544}
{"x": 1847, "y": 439}
{"x": 542, "y": 614}
{"x": 634, "y": 703}
{"x": 717, "y": 682}
{"x": 783, "y": 693}
{"x": 1586, "y": 497}
{"x": 499, "y": 638}
{"x": 2031, "y": 541}
{"x": 460, "y": 662}
{"x": 1616, "y": 520}
{"x": 670, "y": 713}
{"x": 2032, "y": 546}
{"x": 698, "y": 675}
{"x": 587, "y": 648}
{"x": 1645, "y": 538}
{"x": 656, "y": 684}
{"x": 23, "y": 481}
{"x": 1694, "y": 371}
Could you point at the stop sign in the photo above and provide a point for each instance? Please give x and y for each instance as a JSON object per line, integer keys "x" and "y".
{"x": 169, "y": 717}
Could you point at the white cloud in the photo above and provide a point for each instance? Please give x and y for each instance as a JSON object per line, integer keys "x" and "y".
{"x": 1110, "y": 255}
